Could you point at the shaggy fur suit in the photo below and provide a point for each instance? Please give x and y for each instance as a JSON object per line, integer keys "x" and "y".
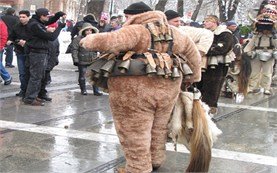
{"x": 142, "y": 105}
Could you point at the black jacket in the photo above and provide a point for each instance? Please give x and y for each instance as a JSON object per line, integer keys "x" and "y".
{"x": 39, "y": 37}
{"x": 10, "y": 21}
{"x": 222, "y": 44}
{"x": 19, "y": 32}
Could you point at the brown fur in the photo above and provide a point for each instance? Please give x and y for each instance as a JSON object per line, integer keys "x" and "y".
{"x": 200, "y": 141}
{"x": 136, "y": 37}
{"x": 141, "y": 108}
{"x": 244, "y": 75}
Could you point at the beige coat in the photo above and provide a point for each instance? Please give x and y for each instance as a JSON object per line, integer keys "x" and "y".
{"x": 203, "y": 38}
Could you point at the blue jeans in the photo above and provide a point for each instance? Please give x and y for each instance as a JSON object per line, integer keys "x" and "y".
{"x": 9, "y": 55}
{"x": 21, "y": 59}
{"x": 3, "y": 72}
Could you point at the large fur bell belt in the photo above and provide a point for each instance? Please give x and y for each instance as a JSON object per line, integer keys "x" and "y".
{"x": 148, "y": 64}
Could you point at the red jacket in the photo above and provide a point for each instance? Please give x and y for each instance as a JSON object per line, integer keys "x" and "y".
{"x": 3, "y": 34}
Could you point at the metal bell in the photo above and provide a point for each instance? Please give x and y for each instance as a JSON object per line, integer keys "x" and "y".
{"x": 108, "y": 67}
{"x": 187, "y": 70}
{"x": 175, "y": 73}
{"x": 160, "y": 71}
{"x": 168, "y": 37}
{"x": 150, "y": 70}
{"x": 213, "y": 62}
{"x": 168, "y": 72}
{"x": 156, "y": 38}
{"x": 162, "y": 37}
{"x": 227, "y": 61}
{"x": 95, "y": 67}
{"x": 124, "y": 66}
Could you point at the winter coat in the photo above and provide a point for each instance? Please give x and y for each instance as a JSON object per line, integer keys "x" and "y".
{"x": 203, "y": 38}
{"x": 223, "y": 42}
{"x": 39, "y": 37}
{"x": 134, "y": 36}
{"x": 3, "y": 35}
{"x": 10, "y": 21}
{"x": 19, "y": 32}
{"x": 80, "y": 55}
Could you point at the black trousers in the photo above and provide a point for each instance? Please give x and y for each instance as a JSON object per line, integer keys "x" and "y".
{"x": 211, "y": 84}
{"x": 37, "y": 63}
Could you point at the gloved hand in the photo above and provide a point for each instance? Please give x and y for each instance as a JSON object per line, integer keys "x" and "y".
{"x": 59, "y": 14}
{"x": 61, "y": 25}
{"x": 75, "y": 63}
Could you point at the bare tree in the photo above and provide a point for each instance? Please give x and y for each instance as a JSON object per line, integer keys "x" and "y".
{"x": 180, "y": 7}
{"x": 197, "y": 9}
{"x": 95, "y": 7}
{"x": 227, "y": 9}
{"x": 161, "y": 5}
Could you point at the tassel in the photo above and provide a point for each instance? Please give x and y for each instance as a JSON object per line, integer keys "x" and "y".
{"x": 200, "y": 142}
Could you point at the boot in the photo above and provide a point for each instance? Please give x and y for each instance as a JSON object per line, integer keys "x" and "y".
{"x": 82, "y": 84}
{"x": 96, "y": 91}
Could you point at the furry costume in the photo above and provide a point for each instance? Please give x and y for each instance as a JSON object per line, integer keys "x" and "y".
{"x": 263, "y": 42}
{"x": 142, "y": 105}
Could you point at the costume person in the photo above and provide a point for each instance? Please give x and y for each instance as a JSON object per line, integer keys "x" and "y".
{"x": 141, "y": 97}
{"x": 262, "y": 47}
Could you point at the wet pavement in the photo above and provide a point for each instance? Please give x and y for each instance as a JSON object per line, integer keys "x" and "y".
{"x": 75, "y": 133}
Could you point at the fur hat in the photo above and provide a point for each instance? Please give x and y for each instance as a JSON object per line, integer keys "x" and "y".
{"x": 171, "y": 14}
{"x": 88, "y": 26}
{"x": 137, "y": 8}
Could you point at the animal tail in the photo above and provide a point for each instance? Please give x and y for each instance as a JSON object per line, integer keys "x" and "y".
{"x": 200, "y": 142}
{"x": 245, "y": 72}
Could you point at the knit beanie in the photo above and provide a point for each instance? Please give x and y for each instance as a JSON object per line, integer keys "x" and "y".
{"x": 171, "y": 14}
{"x": 137, "y": 8}
{"x": 230, "y": 23}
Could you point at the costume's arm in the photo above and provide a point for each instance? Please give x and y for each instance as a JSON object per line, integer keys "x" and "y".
{"x": 134, "y": 37}
{"x": 223, "y": 45}
{"x": 184, "y": 45}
